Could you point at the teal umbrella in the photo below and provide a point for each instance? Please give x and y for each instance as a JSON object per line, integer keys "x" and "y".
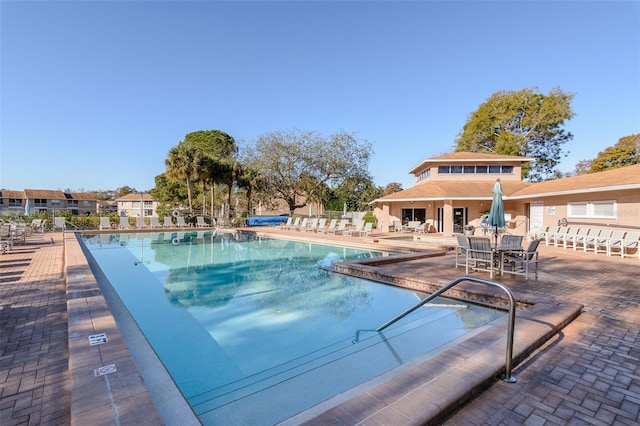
{"x": 496, "y": 214}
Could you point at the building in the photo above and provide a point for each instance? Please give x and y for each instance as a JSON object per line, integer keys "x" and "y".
{"x": 454, "y": 190}
{"x": 137, "y": 204}
{"x": 31, "y": 201}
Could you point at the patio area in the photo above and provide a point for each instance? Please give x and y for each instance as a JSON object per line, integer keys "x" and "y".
{"x": 587, "y": 374}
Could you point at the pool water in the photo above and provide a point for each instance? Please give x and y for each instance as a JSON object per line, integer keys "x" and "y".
{"x": 254, "y": 330}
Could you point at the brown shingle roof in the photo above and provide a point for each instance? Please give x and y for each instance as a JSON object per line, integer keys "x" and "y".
{"x": 83, "y": 196}
{"x": 46, "y": 194}
{"x": 135, "y": 196}
{"x": 621, "y": 178}
{"x": 11, "y": 194}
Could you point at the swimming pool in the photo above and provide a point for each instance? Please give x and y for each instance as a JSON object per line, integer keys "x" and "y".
{"x": 254, "y": 330}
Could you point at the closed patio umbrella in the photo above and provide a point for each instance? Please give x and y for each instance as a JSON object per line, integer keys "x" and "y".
{"x": 496, "y": 214}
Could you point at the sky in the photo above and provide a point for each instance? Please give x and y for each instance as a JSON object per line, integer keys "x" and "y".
{"x": 94, "y": 94}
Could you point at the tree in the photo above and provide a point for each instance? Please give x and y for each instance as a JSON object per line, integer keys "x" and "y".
{"x": 625, "y": 152}
{"x": 218, "y": 150}
{"x": 357, "y": 191}
{"x": 522, "y": 123}
{"x": 182, "y": 164}
{"x": 299, "y": 165}
{"x": 392, "y": 188}
{"x": 582, "y": 167}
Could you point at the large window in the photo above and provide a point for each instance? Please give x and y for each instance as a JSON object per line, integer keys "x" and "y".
{"x": 411, "y": 215}
{"x": 593, "y": 209}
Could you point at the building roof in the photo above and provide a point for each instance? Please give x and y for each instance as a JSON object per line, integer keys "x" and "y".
{"x": 5, "y": 193}
{"x": 83, "y": 196}
{"x": 135, "y": 196}
{"x": 450, "y": 189}
{"x": 47, "y": 194}
{"x": 624, "y": 178}
{"x": 469, "y": 157}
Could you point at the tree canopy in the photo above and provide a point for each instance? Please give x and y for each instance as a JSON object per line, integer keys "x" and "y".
{"x": 625, "y": 152}
{"x": 524, "y": 123}
{"x": 298, "y": 166}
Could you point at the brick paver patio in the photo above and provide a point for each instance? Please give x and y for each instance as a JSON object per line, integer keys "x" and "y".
{"x": 588, "y": 374}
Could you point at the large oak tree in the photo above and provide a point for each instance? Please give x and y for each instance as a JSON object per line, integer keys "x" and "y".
{"x": 298, "y": 166}
{"x": 525, "y": 123}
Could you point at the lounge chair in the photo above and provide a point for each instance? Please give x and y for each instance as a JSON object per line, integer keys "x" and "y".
{"x": 342, "y": 226}
{"x": 168, "y": 222}
{"x": 105, "y": 223}
{"x": 598, "y": 241}
{"x": 332, "y": 226}
{"x": 200, "y": 223}
{"x": 368, "y": 228}
{"x": 153, "y": 221}
{"x": 140, "y": 224}
{"x": 358, "y": 228}
{"x": 520, "y": 261}
{"x": 480, "y": 256}
{"x": 180, "y": 222}
{"x": 311, "y": 225}
{"x": 621, "y": 246}
{"x": 564, "y": 237}
{"x": 397, "y": 226}
{"x": 302, "y": 224}
{"x": 576, "y": 238}
{"x": 461, "y": 249}
{"x": 294, "y": 225}
{"x": 549, "y": 234}
{"x": 124, "y": 223}
{"x": 287, "y": 224}
{"x": 322, "y": 223}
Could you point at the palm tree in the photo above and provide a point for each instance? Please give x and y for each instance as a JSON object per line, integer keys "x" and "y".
{"x": 182, "y": 164}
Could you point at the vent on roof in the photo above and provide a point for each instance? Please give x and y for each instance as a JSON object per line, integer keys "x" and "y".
{"x": 68, "y": 196}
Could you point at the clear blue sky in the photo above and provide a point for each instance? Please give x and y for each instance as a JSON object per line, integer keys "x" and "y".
{"x": 95, "y": 93}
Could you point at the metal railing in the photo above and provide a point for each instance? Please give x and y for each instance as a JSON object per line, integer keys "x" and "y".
{"x": 507, "y": 377}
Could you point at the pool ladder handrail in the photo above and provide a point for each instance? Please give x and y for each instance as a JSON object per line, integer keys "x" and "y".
{"x": 507, "y": 376}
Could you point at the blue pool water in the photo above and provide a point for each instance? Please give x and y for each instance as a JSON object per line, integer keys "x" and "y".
{"x": 254, "y": 331}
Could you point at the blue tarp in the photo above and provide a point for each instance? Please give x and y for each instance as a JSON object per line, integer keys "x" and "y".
{"x": 266, "y": 220}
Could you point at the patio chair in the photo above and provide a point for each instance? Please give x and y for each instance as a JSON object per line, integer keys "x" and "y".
{"x": 583, "y": 235}
{"x": 287, "y": 224}
{"x": 368, "y": 228}
{"x": 124, "y": 223}
{"x": 511, "y": 241}
{"x": 181, "y": 223}
{"x": 168, "y": 222}
{"x": 549, "y": 234}
{"x": 520, "y": 262}
{"x": 480, "y": 256}
{"x": 200, "y": 223}
{"x": 154, "y": 223}
{"x": 397, "y": 226}
{"x": 105, "y": 223}
{"x": 6, "y": 242}
{"x": 461, "y": 248}
{"x": 420, "y": 229}
{"x": 621, "y": 246}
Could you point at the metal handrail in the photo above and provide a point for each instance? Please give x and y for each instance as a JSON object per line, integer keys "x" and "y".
{"x": 507, "y": 377}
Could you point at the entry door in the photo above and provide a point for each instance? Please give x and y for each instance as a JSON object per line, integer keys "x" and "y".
{"x": 535, "y": 215}
{"x": 459, "y": 219}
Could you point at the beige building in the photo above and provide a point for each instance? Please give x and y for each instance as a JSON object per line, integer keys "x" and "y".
{"x": 454, "y": 190}
{"x": 49, "y": 201}
{"x": 137, "y": 205}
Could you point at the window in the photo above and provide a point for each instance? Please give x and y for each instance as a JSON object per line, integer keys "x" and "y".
{"x": 507, "y": 170}
{"x": 494, "y": 169}
{"x": 15, "y": 202}
{"x": 55, "y": 202}
{"x": 482, "y": 169}
{"x": 456, "y": 169}
{"x": 593, "y": 209}
{"x": 469, "y": 169}
{"x": 410, "y": 215}
{"x": 443, "y": 170}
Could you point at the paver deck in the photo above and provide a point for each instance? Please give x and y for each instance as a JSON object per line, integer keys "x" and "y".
{"x": 588, "y": 374}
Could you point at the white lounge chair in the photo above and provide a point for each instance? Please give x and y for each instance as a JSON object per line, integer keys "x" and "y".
{"x": 622, "y": 245}
{"x": 322, "y": 223}
{"x": 311, "y": 225}
{"x": 105, "y": 223}
{"x": 168, "y": 222}
{"x": 294, "y": 225}
{"x": 140, "y": 224}
{"x": 302, "y": 225}
{"x": 332, "y": 225}
{"x": 461, "y": 249}
{"x": 200, "y": 223}
{"x": 358, "y": 229}
{"x": 154, "y": 223}
{"x": 342, "y": 226}
{"x": 180, "y": 222}
{"x": 598, "y": 241}
{"x": 124, "y": 223}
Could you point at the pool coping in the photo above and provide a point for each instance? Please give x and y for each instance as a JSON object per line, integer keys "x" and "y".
{"x": 423, "y": 394}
